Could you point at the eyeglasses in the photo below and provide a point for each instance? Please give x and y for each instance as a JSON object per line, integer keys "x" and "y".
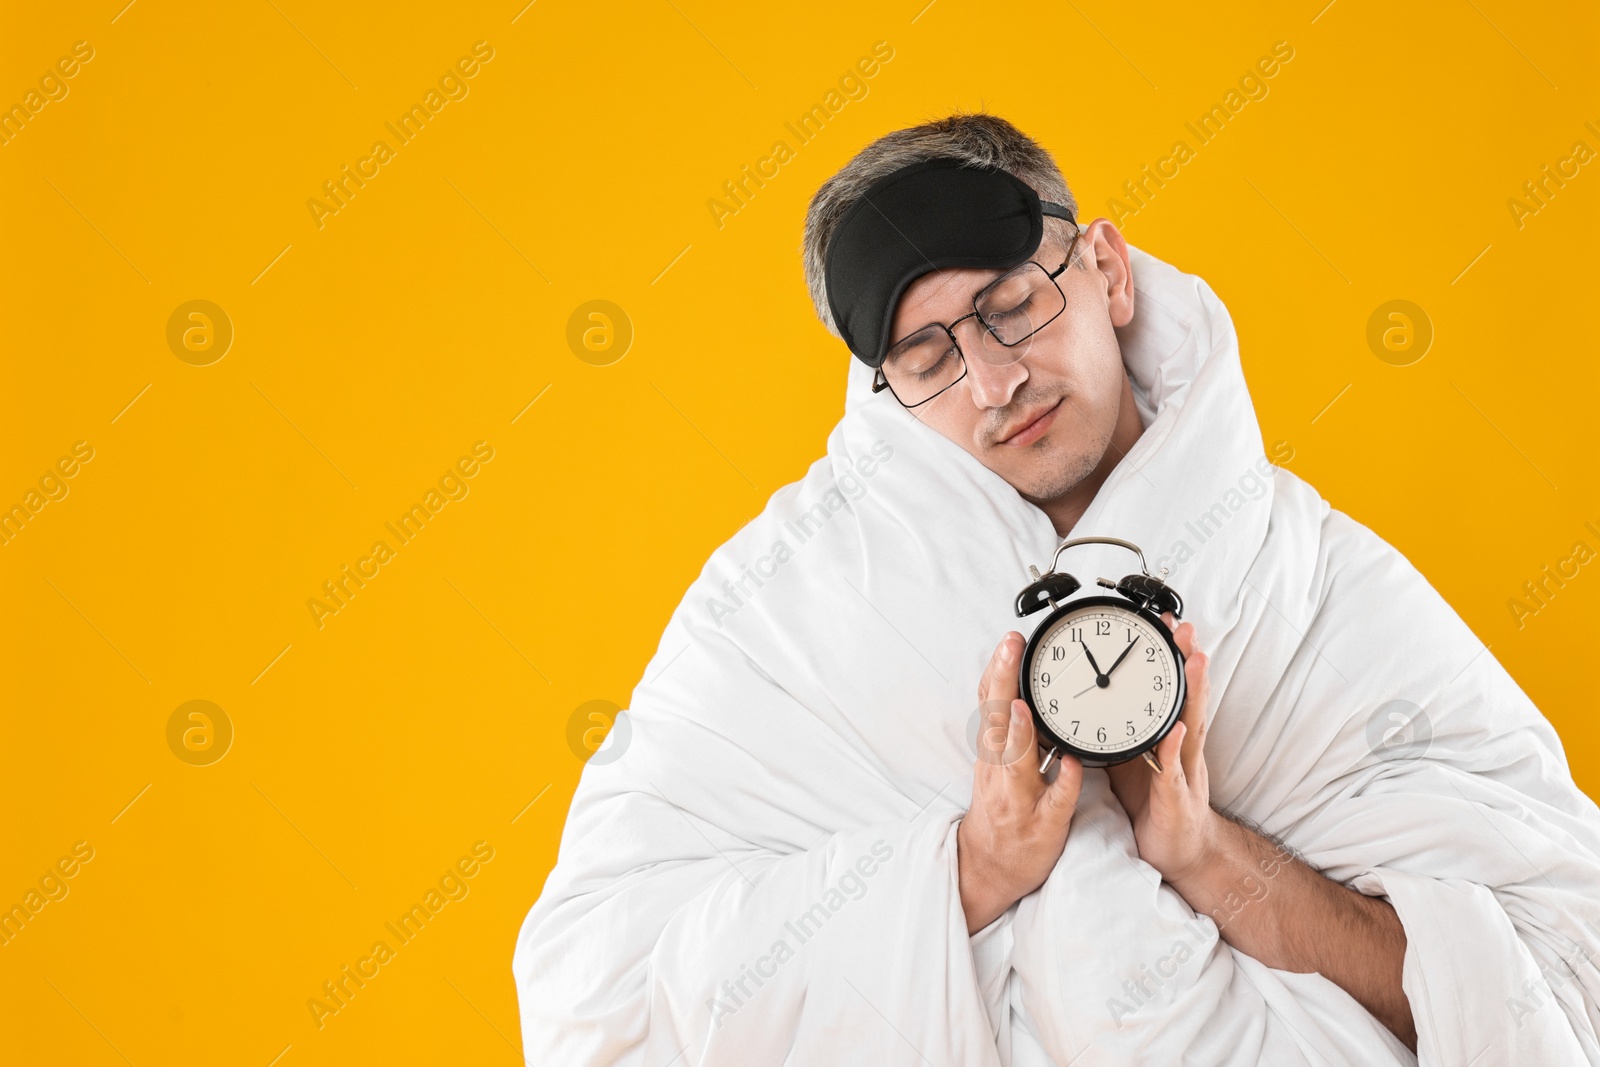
{"x": 1011, "y": 309}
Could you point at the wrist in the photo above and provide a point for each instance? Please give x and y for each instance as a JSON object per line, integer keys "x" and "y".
{"x": 1208, "y": 858}
{"x": 982, "y": 900}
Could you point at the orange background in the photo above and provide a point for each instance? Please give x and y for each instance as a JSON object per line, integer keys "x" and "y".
{"x": 433, "y": 710}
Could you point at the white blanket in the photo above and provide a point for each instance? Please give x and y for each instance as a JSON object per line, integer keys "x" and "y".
{"x": 767, "y": 873}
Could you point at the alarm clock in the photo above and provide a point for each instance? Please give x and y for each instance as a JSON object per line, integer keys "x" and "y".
{"x": 1102, "y": 673}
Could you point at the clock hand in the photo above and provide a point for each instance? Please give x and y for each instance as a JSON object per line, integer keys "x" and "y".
{"x": 1097, "y": 674}
{"x": 1080, "y": 693}
{"x": 1122, "y": 657}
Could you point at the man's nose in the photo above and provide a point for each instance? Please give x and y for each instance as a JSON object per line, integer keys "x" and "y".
{"x": 993, "y": 371}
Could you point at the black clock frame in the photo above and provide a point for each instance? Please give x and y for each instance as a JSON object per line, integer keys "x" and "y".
{"x": 1025, "y": 684}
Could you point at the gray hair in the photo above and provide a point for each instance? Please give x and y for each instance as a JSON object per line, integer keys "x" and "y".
{"x": 979, "y": 139}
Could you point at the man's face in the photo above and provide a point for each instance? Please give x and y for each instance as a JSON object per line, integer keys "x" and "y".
{"x": 1044, "y": 422}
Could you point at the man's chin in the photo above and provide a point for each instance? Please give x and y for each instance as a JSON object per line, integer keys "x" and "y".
{"x": 1046, "y": 479}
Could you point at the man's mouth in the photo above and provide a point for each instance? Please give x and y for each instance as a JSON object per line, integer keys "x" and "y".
{"x": 1034, "y": 428}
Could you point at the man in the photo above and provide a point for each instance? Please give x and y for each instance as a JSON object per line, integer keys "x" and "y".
{"x": 1053, "y": 426}
{"x": 948, "y": 258}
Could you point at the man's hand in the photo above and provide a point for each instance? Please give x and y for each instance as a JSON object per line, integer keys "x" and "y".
{"x": 1173, "y": 823}
{"x": 1266, "y": 903}
{"x": 1013, "y": 834}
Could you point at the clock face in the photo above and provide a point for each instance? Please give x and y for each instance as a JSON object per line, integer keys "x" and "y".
{"x": 1104, "y": 679}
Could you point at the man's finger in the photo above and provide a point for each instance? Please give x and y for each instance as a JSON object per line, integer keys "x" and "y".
{"x": 1170, "y": 753}
{"x": 1021, "y": 747}
{"x": 1062, "y": 796}
{"x": 1194, "y": 709}
{"x": 999, "y": 681}
{"x": 996, "y": 689}
{"x": 1184, "y": 635}
{"x": 1005, "y": 680}
{"x": 993, "y": 723}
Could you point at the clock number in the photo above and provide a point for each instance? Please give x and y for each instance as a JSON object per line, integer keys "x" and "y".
{"x": 1158, "y": 683}
{"x": 1074, "y": 727}
{"x": 1150, "y": 710}
{"x": 1130, "y": 727}
{"x": 1057, "y": 653}
{"x": 1100, "y": 734}
{"x": 1054, "y": 708}
{"x": 1044, "y": 680}
{"x": 1075, "y": 634}
{"x": 1150, "y": 654}
{"x": 1102, "y": 627}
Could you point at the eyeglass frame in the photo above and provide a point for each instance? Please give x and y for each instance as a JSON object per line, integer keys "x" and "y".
{"x": 880, "y": 380}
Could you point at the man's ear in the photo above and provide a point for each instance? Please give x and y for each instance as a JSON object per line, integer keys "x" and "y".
{"x": 1110, "y": 258}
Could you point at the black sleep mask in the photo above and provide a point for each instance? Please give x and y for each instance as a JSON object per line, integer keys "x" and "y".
{"x": 921, "y": 218}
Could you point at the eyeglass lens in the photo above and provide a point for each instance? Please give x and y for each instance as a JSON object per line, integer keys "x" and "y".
{"x": 1010, "y": 310}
